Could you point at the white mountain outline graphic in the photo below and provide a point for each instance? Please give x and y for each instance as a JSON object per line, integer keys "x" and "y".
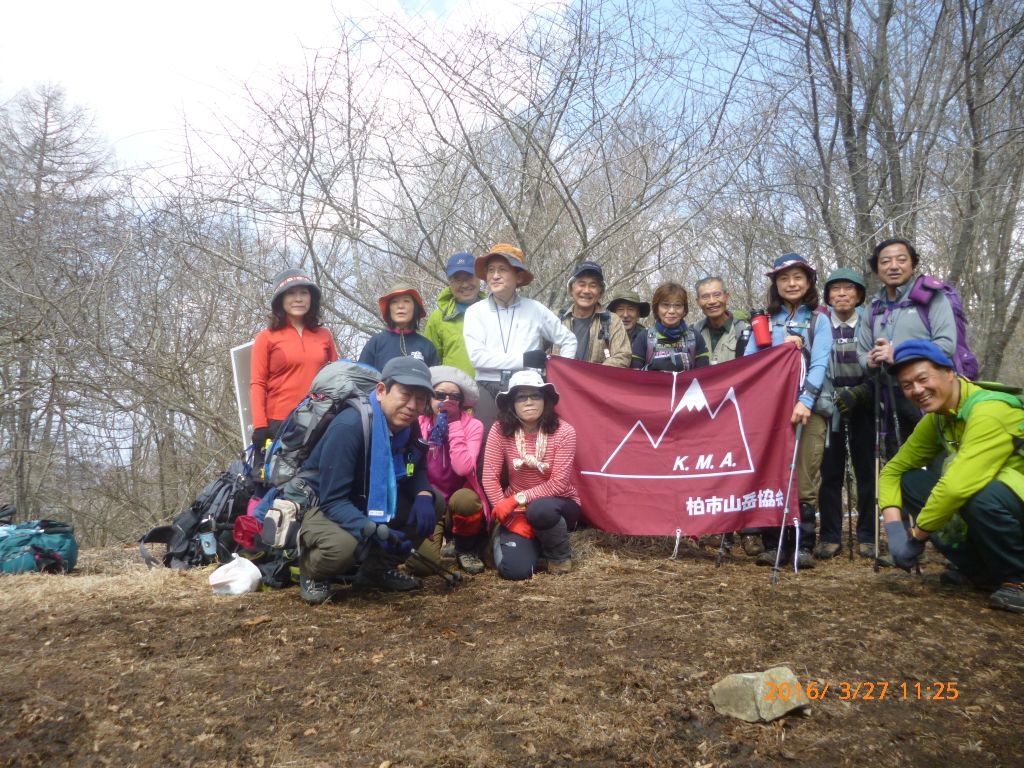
{"x": 693, "y": 400}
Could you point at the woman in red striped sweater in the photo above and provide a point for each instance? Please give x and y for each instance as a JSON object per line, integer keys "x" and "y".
{"x": 539, "y": 506}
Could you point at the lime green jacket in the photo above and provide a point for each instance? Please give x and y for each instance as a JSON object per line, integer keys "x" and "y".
{"x": 982, "y": 445}
{"x": 444, "y": 328}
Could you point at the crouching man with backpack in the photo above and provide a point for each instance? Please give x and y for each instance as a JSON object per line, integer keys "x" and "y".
{"x": 974, "y": 511}
{"x": 376, "y": 503}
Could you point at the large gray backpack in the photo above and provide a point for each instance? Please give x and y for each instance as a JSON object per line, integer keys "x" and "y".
{"x": 338, "y": 385}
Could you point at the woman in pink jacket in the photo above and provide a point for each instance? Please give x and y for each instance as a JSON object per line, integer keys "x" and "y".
{"x": 454, "y": 438}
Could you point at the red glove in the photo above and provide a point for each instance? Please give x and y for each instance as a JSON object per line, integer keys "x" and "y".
{"x": 509, "y": 514}
{"x": 504, "y": 508}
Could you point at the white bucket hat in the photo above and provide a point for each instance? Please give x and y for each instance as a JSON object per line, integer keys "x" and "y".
{"x": 526, "y": 378}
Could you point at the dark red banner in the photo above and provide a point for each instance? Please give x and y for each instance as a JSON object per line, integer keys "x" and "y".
{"x": 702, "y": 452}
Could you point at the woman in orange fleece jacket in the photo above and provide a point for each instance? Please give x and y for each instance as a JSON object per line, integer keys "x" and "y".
{"x": 287, "y": 354}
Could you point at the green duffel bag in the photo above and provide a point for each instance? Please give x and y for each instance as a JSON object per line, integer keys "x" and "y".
{"x": 48, "y": 546}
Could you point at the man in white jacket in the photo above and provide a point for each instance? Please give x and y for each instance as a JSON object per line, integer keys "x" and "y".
{"x": 499, "y": 330}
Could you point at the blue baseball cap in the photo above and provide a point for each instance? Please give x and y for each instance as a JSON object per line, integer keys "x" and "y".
{"x": 919, "y": 349}
{"x": 460, "y": 262}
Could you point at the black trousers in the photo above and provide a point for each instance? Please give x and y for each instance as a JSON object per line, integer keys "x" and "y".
{"x": 552, "y": 517}
{"x": 992, "y": 551}
{"x": 859, "y": 428}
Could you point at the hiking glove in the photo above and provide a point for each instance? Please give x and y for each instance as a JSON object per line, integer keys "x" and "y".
{"x": 535, "y": 358}
{"x": 903, "y": 548}
{"x": 847, "y": 398}
{"x": 504, "y": 508}
{"x": 394, "y": 541}
{"x": 423, "y": 515}
{"x": 260, "y": 435}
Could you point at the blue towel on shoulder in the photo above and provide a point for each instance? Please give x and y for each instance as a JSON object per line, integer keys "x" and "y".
{"x": 386, "y": 466}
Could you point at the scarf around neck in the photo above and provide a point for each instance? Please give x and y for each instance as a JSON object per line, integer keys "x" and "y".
{"x": 672, "y": 334}
{"x": 535, "y": 459}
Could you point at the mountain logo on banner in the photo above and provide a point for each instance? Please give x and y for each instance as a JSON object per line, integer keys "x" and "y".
{"x": 696, "y": 442}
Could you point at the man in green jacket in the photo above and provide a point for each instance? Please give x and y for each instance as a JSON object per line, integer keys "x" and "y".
{"x": 974, "y": 511}
{"x": 444, "y": 326}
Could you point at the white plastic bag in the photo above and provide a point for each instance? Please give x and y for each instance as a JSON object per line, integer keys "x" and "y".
{"x": 235, "y": 578}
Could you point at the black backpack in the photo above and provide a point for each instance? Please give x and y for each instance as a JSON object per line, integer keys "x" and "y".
{"x": 211, "y": 517}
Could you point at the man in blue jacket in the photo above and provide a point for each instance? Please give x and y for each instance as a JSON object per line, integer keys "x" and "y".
{"x": 375, "y": 499}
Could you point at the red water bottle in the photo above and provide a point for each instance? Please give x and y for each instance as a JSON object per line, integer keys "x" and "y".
{"x": 762, "y": 331}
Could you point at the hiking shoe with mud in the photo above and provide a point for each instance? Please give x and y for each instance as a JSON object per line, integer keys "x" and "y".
{"x": 866, "y": 549}
{"x": 826, "y": 550}
{"x": 1009, "y": 597}
{"x": 314, "y": 592}
{"x": 559, "y": 567}
{"x": 469, "y": 562}
{"x": 752, "y": 545}
{"x": 391, "y": 580}
{"x": 953, "y": 577}
{"x": 804, "y": 559}
{"x": 767, "y": 557}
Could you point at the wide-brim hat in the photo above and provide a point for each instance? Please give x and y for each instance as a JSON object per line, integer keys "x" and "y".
{"x": 850, "y": 276}
{"x": 918, "y": 349}
{"x": 292, "y": 278}
{"x": 458, "y": 377}
{"x": 788, "y": 260}
{"x": 511, "y": 254}
{"x": 400, "y": 289}
{"x": 630, "y": 297}
{"x": 410, "y": 371}
{"x": 526, "y": 378}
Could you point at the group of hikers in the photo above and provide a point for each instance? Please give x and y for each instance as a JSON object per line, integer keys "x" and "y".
{"x": 466, "y": 447}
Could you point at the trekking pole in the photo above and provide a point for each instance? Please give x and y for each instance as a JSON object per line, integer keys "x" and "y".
{"x": 785, "y": 504}
{"x": 847, "y": 472}
{"x": 878, "y": 457}
{"x": 892, "y": 406}
{"x": 721, "y": 551}
{"x": 451, "y": 578}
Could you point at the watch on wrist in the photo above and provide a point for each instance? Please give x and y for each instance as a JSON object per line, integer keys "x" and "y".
{"x": 521, "y": 499}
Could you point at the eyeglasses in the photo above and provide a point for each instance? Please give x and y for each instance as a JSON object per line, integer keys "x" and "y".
{"x": 528, "y": 397}
{"x": 456, "y": 396}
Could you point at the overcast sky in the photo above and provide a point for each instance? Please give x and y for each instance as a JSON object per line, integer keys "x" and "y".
{"x": 142, "y": 67}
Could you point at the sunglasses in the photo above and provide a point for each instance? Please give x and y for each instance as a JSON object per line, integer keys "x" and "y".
{"x": 456, "y": 396}
{"x": 532, "y": 396}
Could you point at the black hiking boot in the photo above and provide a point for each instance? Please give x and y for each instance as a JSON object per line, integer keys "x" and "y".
{"x": 804, "y": 559}
{"x": 314, "y": 592}
{"x": 391, "y": 580}
{"x": 1009, "y": 597}
{"x": 767, "y": 557}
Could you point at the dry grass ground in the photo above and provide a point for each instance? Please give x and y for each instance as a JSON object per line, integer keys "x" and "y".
{"x": 609, "y": 665}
